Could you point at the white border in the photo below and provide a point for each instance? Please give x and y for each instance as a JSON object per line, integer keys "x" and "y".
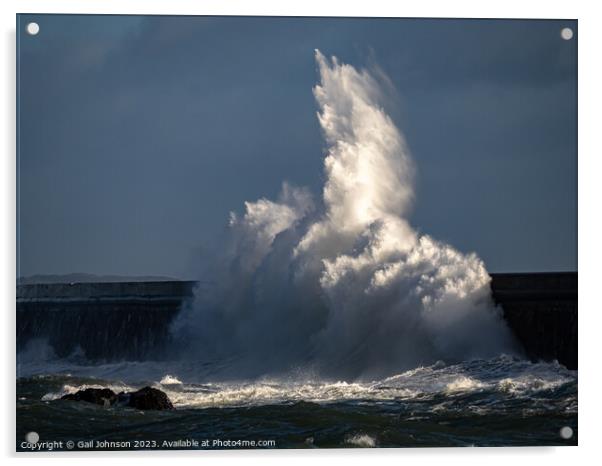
{"x": 590, "y": 198}
{"x": 437, "y": 8}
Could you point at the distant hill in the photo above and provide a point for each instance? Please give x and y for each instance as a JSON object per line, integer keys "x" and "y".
{"x": 89, "y": 277}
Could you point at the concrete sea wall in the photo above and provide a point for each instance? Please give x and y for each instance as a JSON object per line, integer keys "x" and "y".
{"x": 541, "y": 310}
{"x": 105, "y": 321}
{"x": 130, "y": 320}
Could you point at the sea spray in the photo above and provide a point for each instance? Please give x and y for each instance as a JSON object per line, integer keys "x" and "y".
{"x": 342, "y": 286}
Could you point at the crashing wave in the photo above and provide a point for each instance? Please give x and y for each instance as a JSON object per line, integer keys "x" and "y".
{"x": 344, "y": 285}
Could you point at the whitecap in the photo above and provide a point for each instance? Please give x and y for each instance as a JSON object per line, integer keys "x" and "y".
{"x": 70, "y": 389}
{"x": 361, "y": 440}
{"x": 170, "y": 380}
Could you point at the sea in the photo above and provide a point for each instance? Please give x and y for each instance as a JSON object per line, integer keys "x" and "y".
{"x": 502, "y": 401}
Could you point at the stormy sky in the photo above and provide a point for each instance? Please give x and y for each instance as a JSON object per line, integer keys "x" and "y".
{"x": 138, "y": 135}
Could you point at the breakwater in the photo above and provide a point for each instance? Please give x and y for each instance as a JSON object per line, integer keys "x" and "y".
{"x": 105, "y": 321}
{"x": 541, "y": 310}
{"x": 130, "y": 320}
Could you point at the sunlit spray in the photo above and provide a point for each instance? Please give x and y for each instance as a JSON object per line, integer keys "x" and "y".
{"x": 343, "y": 286}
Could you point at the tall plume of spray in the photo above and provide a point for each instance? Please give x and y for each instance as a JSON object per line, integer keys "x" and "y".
{"x": 348, "y": 289}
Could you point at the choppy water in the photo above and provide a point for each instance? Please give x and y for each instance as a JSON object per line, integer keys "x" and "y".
{"x": 496, "y": 402}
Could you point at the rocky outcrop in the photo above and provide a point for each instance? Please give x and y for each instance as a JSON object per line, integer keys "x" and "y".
{"x": 100, "y": 396}
{"x": 149, "y": 398}
{"x": 146, "y": 398}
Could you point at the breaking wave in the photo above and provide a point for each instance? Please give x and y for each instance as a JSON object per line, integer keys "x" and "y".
{"x": 342, "y": 285}
{"x": 501, "y": 378}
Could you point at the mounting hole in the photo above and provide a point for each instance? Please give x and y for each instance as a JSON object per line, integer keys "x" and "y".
{"x": 566, "y": 432}
{"x": 566, "y": 33}
{"x": 32, "y": 28}
{"x": 32, "y": 437}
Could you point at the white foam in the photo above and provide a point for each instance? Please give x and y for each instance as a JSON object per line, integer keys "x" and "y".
{"x": 463, "y": 384}
{"x": 507, "y": 376}
{"x": 255, "y": 394}
{"x": 361, "y": 440}
{"x": 530, "y": 383}
{"x": 202, "y": 389}
{"x": 70, "y": 389}
{"x": 170, "y": 380}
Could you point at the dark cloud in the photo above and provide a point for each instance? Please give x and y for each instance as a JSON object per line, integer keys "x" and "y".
{"x": 139, "y": 134}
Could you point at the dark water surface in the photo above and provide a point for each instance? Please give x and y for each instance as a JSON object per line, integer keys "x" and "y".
{"x": 497, "y": 402}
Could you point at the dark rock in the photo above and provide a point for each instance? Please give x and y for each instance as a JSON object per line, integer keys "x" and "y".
{"x": 149, "y": 398}
{"x": 100, "y": 396}
{"x": 123, "y": 398}
{"x": 145, "y": 398}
